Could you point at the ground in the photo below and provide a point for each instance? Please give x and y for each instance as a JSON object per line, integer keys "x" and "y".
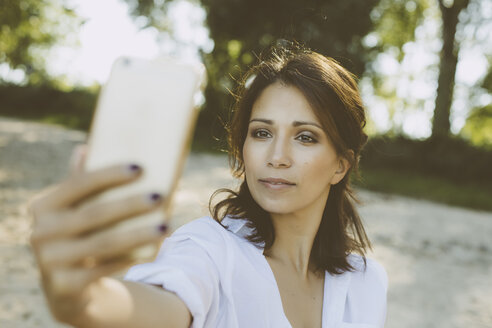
{"x": 438, "y": 258}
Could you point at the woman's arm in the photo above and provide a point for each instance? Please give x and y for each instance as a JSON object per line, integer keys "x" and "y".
{"x": 115, "y": 303}
{"x": 77, "y": 249}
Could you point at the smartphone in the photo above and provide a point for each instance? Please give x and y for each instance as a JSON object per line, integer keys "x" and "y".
{"x": 145, "y": 115}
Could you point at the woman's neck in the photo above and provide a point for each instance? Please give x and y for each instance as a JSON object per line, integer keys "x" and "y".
{"x": 294, "y": 239}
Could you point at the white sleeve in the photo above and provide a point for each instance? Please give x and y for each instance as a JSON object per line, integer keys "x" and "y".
{"x": 366, "y": 299}
{"x": 187, "y": 266}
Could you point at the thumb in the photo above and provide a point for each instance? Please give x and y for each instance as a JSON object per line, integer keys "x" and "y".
{"x": 77, "y": 160}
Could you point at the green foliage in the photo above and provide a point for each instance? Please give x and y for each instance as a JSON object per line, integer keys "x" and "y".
{"x": 44, "y": 103}
{"x": 478, "y": 127}
{"x": 334, "y": 28}
{"x": 27, "y": 27}
{"x": 396, "y": 22}
{"x": 448, "y": 158}
{"x": 151, "y": 13}
{"x": 464, "y": 194}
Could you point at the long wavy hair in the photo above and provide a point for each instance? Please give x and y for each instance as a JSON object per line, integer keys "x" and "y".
{"x": 334, "y": 97}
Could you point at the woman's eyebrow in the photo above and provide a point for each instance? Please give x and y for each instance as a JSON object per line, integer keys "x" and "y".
{"x": 299, "y": 123}
{"x": 270, "y": 122}
{"x": 295, "y": 123}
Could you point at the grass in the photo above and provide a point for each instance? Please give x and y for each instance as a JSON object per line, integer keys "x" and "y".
{"x": 70, "y": 122}
{"x": 63, "y": 120}
{"x": 468, "y": 195}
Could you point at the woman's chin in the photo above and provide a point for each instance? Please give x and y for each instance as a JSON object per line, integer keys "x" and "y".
{"x": 277, "y": 208}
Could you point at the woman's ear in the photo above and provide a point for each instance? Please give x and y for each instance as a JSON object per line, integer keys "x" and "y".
{"x": 343, "y": 167}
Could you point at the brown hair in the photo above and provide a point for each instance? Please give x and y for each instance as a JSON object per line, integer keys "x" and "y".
{"x": 333, "y": 95}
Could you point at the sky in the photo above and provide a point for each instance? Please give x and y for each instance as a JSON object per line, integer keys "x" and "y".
{"x": 109, "y": 32}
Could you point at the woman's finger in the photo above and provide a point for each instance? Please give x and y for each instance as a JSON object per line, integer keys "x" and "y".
{"x": 83, "y": 185}
{"x": 96, "y": 216}
{"x": 98, "y": 247}
{"x": 68, "y": 281}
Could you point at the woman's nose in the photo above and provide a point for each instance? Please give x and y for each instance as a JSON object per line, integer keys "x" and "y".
{"x": 279, "y": 154}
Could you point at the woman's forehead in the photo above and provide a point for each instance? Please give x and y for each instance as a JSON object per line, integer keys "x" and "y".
{"x": 283, "y": 103}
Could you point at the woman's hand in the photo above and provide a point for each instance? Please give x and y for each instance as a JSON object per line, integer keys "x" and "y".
{"x": 74, "y": 243}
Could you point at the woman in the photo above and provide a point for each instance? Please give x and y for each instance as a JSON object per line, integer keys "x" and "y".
{"x": 286, "y": 250}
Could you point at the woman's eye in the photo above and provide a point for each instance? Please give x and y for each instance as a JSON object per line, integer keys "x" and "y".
{"x": 306, "y": 138}
{"x": 261, "y": 134}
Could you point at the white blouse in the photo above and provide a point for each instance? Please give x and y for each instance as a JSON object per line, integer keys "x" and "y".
{"x": 226, "y": 282}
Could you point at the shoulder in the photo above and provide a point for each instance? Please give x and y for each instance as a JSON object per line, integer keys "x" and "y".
{"x": 208, "y": 234}
{"x": 204, "y": 231}
{"x": 203, "y": 238}
{"x": 206, "y": 227}
{"x": 198, "y": 227}
{"x": 368, "y": 276}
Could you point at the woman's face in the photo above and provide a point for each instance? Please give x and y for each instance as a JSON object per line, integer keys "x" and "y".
{"x": 289, "y": 161}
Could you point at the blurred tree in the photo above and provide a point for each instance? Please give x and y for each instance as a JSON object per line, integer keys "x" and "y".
{"x": 242, "y": 29}
{"x": 450, "y": 10}
{"x": 29, "y": 27}
{"x": 395, "y": 25}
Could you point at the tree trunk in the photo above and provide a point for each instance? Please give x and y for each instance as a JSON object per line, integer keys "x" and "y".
{"x": 447, "y": 67}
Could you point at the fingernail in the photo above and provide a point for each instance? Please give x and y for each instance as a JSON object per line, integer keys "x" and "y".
{"x": 134, "y": 169}
{"x": 162, "y": 228}
{"x": 154, "y": 198}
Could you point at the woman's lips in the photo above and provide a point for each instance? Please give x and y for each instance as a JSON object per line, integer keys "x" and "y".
{"x": 276, "y": 183}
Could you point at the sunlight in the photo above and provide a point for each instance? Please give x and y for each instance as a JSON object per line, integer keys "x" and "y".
{"x": 109, "y": 32}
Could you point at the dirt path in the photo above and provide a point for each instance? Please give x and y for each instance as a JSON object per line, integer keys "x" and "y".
{"x": 438, "y": 258}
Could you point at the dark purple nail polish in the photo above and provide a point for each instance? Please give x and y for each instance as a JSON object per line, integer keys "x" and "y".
{"x": 134, "y": 169}
{"x": 155, "y": 197}
{"x": 162, "y": 228}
